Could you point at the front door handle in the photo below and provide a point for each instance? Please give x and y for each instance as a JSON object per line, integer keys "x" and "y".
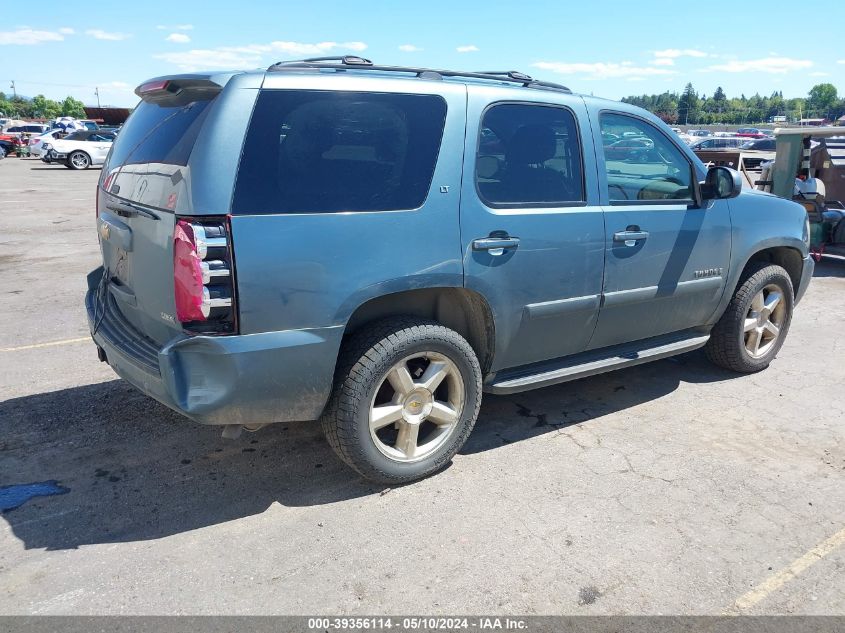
{"x": 495, "y": 245}
{"x": 630, "y": 237}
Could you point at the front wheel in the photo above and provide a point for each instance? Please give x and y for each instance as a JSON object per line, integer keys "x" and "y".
{"x": 752, "y": 330}
{"x": 406, "y": 397}
{"x": 78, "y": 160}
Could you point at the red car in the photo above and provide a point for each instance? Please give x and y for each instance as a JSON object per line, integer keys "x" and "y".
{"x": 750, "y": 132}
{"x": 10, "y": 143}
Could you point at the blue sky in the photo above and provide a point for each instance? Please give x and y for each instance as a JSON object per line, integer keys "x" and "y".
{"x": 608, "y": 48}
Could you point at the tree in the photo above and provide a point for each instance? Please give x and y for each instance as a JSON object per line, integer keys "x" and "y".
{"x": 688, "y": 104}
{"x": 822, "y": 99}
{"x": 719, "y": 95}
{"x": 44, "y": 108}
{"x": 73, "y": 107}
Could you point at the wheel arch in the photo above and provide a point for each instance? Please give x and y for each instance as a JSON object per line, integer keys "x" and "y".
{"x": 462, "y": 310}
{"x": 788, "y": 258}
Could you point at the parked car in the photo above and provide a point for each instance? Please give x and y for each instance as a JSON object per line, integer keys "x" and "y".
{"x": 362, "y": 260}
{"x": 764, "y": 144}
{"x": 29, "y": 128}
{"x": 722, "y": 142}
{"x": 12, "y": 144}
{"x": 699, "y": 133}
{"x": 750, "y": 132}
{"x": 628, "y": 148}
{"x": 78, "y": 150}
{"x": 36, "y": 143}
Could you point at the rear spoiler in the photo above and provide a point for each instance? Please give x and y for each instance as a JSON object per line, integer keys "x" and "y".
{"x": 180, "y": 90}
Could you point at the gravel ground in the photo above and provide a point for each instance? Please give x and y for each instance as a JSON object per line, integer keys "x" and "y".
{"x": 673, "y": 487}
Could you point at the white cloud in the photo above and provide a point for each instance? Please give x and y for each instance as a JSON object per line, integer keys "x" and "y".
{"x": 674, "y": 53}
{"x": 300, "y": 48}
{"x": 179, "y": 38}
{"x": 471, "y": 48}
{"x": 251, "y": 55}
{"x": 199, "y": 59}
{"x": 663, "y": 61}
{"x": 819, "y": 74}
{"x": 841, "y": 61}
{"x": 178, "y": 27}
{"x": 604, "y": 70}
{"x": 25, "y": 36}
{"x": 98, "y": 34}
{"x": 409, "y": 48}
{"x": 770, "y": 65}
{"x": 65, "y": 30}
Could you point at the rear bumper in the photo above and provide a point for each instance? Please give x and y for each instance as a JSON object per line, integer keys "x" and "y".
{"x": 806, "y": 276}
{"x": 247, "y": 379}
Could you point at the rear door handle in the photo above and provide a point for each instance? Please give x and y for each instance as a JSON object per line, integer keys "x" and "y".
{"x": 495, "y": 245}
{"x": 630, "y": 237}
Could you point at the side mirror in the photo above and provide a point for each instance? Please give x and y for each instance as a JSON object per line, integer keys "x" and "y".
{"x": 721, "y": 183}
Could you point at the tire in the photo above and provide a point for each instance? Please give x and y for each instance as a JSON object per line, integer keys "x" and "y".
{"x": 78, "y": 160}
{"x": 370, "y": 364}
{"x": 730, "y": 345}
{"x": 2, "y": 153}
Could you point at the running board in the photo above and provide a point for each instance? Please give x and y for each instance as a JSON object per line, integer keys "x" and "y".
{"x": 591, "y": 363}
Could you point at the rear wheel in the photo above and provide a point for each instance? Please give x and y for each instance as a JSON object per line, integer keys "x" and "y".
{"x": 752, "y": 330}
{"x": 406, "y": 398}
{"x": 78, "y": 160}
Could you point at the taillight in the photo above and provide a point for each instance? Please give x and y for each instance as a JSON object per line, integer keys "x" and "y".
{"x": 202, "y": 275}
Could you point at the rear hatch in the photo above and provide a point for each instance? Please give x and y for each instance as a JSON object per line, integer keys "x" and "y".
{"x": 144, "y": 186}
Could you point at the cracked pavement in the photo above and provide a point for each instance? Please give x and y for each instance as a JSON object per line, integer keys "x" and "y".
{"x": 672, "y": 487}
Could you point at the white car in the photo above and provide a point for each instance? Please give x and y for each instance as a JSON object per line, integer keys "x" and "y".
{"x": 79, "y": 150}
{"x": 36, "y": 143}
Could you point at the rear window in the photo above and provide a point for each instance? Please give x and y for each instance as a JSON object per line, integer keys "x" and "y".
{"x": 159, "y": 134}
{"x": 323, "y": 152}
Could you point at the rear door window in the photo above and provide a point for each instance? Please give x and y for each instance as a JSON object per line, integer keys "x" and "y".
{"x": 529, "y": 155}
{"x": 324, "y": 152}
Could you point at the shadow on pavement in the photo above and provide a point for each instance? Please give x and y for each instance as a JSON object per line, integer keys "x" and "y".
{"x": 830, "y": 266}
{"x": 138, "y": 471}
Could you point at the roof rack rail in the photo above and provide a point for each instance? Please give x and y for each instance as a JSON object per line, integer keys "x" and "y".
{"x": 349, "y": 62}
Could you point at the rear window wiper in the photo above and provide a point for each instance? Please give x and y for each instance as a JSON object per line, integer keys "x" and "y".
{"x": 129, "y": 210}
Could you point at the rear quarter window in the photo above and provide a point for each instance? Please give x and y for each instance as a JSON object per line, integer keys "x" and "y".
{"x": 325, "y": 152}
{"x": 159, "y": 134}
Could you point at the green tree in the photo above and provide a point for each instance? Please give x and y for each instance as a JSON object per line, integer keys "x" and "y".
{"x": 688, "y": 105}
{"x": 73, "y": 107}
{"x": 822, "y": 99}
{"x": 45, "y": 108}
{"x": 719, "y": 95}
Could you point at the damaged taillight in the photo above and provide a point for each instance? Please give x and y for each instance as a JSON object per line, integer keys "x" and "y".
{"x": 202, "y": 276}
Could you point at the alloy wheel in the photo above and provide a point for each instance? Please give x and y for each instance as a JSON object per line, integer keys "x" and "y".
{"x": 764, "y": 321}
{"x": 416, "y": 407}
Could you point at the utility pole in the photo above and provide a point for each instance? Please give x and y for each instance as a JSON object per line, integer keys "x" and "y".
{"x": 14, "y": 91}
{"x": 97, "y": 92}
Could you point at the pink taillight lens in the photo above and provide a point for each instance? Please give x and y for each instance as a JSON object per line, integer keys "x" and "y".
{"x": 187, "y": 274}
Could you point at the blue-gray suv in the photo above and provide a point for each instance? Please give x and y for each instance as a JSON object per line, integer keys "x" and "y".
{"x": 374, "y": 247}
